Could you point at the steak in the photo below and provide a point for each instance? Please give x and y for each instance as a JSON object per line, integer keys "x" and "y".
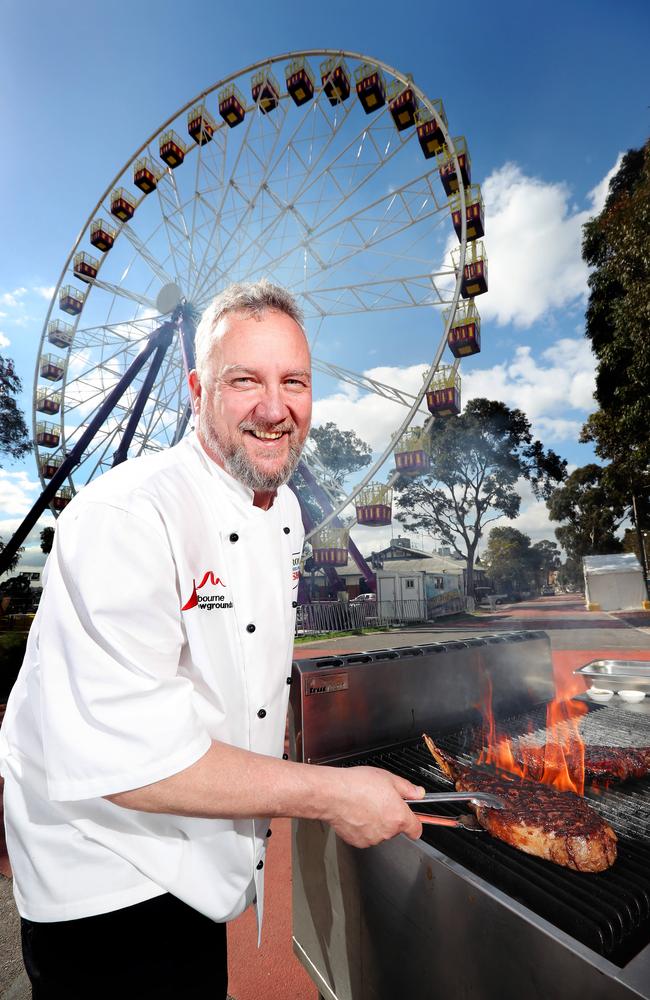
{"x": 537, "y": 819}
{"x": 602, "y": 763}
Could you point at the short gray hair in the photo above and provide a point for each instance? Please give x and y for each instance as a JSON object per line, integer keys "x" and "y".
{"x": 251, "y": 298}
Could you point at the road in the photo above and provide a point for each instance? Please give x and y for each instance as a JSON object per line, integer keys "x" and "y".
{"x": 272, "y": 972}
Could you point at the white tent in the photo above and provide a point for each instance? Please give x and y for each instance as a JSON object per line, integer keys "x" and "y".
{"x": 614, "y": 583}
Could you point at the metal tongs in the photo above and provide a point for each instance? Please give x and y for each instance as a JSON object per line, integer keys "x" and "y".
{"x": 466, "y": 821}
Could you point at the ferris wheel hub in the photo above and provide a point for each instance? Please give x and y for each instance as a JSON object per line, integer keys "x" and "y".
{"x": 168, "y": 298}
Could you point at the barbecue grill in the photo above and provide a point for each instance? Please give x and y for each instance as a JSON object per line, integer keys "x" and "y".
{"x": 459, "y": 914}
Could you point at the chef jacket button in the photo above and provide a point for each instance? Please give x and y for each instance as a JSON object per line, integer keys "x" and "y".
{"x": 285, "y": 756}
{"x": 260, "y": 865}
{"x": 288, "y": 680}
{"x": 250, "y": 627}
{"x": 294, "y": 604}
{"x": 269, "y": 832}
{"x": 261, "y": 714}
{"x": 234, "y": 537}
{"x": 286, "y": 530}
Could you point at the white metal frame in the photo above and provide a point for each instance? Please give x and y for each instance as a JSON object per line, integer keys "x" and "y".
{"x": 239, "y": 209}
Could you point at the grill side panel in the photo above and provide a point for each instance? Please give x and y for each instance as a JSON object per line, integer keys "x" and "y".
{"x": 400, "y": 919}
{"x": 344, "y": 704}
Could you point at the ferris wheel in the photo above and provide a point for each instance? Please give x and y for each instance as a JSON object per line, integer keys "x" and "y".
{"x": 328, "y": 172}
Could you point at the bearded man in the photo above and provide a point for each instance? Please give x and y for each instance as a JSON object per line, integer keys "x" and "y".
{"x": 142, "y": 745}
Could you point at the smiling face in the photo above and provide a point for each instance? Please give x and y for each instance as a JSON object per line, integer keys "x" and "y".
{"x": 253, "y": 401}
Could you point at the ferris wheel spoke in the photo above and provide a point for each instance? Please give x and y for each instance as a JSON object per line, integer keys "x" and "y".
{"x": 178, "y": 234}
{"x": 372, "y": 227}
{"x": 103, "y": 333}
{"x": 259, "y": 187}
{"x": 290, "y": 152}
{"x": 146, "y": 255}
{"x": 345, "y": 173}
{"x": 393, "y": 228}
{"x": 330, "y": 174}
{"x": 367, "y": 384}
{"x": 208, "y": 179}
{"x": 409, "y": 291}
{"x": 214, "y": 237}
{"x": 162, "y": 393}
{"x": 124, "y": 293}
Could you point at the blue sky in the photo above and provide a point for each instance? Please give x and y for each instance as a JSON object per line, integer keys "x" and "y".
{"x": 548, "y": 97}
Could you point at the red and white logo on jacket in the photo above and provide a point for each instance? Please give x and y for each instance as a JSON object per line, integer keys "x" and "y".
{"x": 212, "y": 596}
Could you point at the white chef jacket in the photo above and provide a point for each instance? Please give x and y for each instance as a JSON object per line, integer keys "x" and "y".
{"x": 166, "y": 621}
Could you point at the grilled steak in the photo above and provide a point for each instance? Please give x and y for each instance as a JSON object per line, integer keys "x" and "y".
{"x": 601, "y": 763}
{"x": 537, "y": 819}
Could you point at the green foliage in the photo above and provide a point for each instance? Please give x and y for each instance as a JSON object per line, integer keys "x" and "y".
{"x": 13, "y": 562}
{"x": 47, "y": 539}
{"x": 593, "y": 511}
{"x": 477, "y": 459}
{"x": 12, "y": 652}
{"x": 14, "y": 436}
{"x": 570, "y": 575}
{"x": 341, "y": 452}
{"x": 616, "y": 245}
{"x": 547, "y": 558}
{"x": 514, "y": 564}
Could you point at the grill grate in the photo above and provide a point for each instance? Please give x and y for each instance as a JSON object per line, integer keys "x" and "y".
{"x": 626, "y": 807}
{"x": 608, "y": 912}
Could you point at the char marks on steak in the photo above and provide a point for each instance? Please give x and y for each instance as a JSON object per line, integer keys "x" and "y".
{"x": 602, "y": 763}
{"x": 537, "y": 819}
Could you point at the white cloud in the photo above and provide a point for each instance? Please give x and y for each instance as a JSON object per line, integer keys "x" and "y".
{"x": 11, "y": 298}
{"x": 533, "y": 241}
{"x": 598, "y": 195}
{"x": 4, "y": 340}
{"x": 563, "y": 379}
{"x": 546, "y": 388}
{"x": 17, "y": 494}
{"x": 45, "y": 291}
{"x": 371, "y": 416}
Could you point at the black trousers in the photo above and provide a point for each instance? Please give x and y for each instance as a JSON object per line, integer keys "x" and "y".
{"x": 161, "y": 948}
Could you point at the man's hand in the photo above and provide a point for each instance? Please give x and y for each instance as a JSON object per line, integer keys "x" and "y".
{"x": 366, "y": 806}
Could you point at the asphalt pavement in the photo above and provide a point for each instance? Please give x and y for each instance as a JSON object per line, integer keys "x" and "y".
{"x": 273, "y": 972}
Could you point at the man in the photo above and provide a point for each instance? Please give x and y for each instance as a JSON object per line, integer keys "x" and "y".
{"x": 143, "y": 738}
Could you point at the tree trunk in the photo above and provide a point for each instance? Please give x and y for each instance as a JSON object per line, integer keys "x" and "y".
{"x": 640, "y": 540}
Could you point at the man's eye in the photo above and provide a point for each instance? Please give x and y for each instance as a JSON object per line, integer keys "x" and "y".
{"x": 243, "y": 380}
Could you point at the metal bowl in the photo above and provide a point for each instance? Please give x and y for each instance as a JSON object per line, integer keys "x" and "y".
{"x": 618, "y": 674}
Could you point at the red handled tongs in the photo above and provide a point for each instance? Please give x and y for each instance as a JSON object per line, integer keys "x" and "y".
{"x": 466, "y": 821}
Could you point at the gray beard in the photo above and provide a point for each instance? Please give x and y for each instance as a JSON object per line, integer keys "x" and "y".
{"x": 238, "y": 464}
{"x": 242, "y": 469}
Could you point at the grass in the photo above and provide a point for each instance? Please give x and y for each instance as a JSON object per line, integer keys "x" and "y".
{"x": 300, "y": 640}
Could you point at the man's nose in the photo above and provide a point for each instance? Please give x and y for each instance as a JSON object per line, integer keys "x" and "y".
{"x": 272, "y": 406}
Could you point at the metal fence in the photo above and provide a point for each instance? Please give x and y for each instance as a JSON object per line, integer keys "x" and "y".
{"x": 340, "y": 616}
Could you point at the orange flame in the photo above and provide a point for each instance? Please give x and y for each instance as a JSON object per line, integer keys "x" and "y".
{"x": 560, "y": 762}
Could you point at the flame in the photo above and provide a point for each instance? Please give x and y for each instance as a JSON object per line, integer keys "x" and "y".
{"x": 560, "y": 762}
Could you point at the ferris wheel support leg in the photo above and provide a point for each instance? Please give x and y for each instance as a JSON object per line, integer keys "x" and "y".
{"x": 184, "y": 421}
{"x": 122, "y": 450}
{"x": 324, "y": 502}
{"x": 73, "y": 459}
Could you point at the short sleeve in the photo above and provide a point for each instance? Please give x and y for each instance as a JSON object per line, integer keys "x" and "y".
{"x": 115, "y": 714}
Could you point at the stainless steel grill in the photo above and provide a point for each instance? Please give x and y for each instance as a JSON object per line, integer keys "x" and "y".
{"x": 457, "y": 913}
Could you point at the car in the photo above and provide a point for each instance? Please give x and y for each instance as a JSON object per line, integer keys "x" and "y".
{"x": 548, "y": 591}
{"x": 363, "y": 598}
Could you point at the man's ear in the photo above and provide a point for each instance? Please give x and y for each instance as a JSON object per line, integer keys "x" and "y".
{"x": 195, "y": 389}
